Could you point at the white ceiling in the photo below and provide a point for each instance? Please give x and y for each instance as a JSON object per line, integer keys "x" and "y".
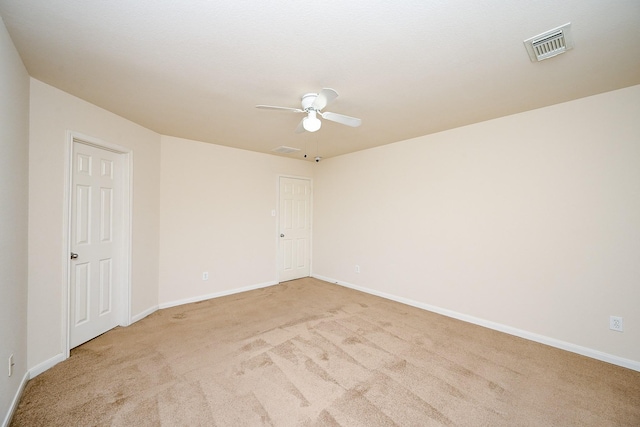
{"x": 196, "y": 68}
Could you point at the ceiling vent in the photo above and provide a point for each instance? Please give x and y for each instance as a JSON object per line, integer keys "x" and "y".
{"x": 549, "y": 44}
{"x": 283, "y": 149}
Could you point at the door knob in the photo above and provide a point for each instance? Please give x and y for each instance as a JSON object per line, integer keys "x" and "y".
{"x": 282, "y": 235}
{"x": 73, "y": 255}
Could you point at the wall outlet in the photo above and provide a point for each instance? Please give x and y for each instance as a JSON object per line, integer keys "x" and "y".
{"x": 357, "y": 268}
{"x": 11, "y": 364}
{"x": 205, "y": 275}
{"x": 615, "y": 323}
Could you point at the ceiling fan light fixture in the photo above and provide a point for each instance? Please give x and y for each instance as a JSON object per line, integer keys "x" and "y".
{"x": 311, "y": 123}
{"x": 312, "y": 105}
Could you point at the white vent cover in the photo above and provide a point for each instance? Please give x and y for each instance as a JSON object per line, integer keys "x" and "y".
{"x": 283, "y": 149}
{"x": 549, "y": 44}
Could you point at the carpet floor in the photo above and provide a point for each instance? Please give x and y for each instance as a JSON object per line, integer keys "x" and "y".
{"x": 310, "y": 353}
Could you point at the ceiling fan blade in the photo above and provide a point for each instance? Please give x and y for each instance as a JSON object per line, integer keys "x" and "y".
{"x": 271, "y": 107}
{"x": 342, "y": 119}
{"x": 300, "y": 127}
{"x": 324, "y": 98}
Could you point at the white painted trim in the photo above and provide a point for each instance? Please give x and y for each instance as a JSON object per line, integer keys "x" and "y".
{"x": 47, "y": 364}
{"x": 40, "y": 368}
{"x": 15, "y": 401}
{"x": 276, "y": 233}
{"x": 98, "y": 143}
{"x": 563, "y": 345}
{"x": 127, "y": 225}
{"x": 127, "y": 186}
{"x": 144, "y": 314}
{"x": 216, "y": 295}
{"x": 66, "y": 245}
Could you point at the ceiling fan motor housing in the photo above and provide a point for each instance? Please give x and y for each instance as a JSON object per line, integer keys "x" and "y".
{"x": 307, "y": 100}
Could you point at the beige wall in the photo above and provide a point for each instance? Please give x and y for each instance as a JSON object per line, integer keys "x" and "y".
{"x": 53, "y": 113}
{"x": 530, "y": 221}
{"x": 215, "y": 216}
{"x": 14, "y": 151}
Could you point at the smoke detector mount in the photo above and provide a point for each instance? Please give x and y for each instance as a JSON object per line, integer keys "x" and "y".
{"x": 550, "y": 43}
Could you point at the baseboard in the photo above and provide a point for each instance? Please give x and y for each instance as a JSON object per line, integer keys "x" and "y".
{"x": 47, "y": 364}
{"x": 216, "y": 295}
{"x": 15, "y": 401}
{"x": 40, "y": 368}
{"x": 563, "y": 345}
{"x": 169, "y": 304}
{"x": 144, "y": 314}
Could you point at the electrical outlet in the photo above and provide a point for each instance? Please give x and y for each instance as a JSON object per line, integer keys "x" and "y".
{"x": 205, "y": 275}
{"x": 11, "y": 364}
{"x": 357, "y": 268}
{"x": 615, "y": 323}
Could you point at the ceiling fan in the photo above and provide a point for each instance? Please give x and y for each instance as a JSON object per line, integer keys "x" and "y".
{"x": 312, "y": 103}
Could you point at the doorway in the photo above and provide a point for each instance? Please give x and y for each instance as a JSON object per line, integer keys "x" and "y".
{"x": 98, "y": 239}
{"x": 294, "y": 228}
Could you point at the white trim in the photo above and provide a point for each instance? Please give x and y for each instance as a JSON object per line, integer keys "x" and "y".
{"x": 563, "y": 345}
{"x": 216, "y": 295}
{"x": 144, "y": 314}
{"x": 124, "y": 317}
{"x": 15, "y": 401}
{"x": 127, "y": 226}
{"x": 47, "y": 364}
{"x": 96, "y": 142}
{"x": 66, "y": 245}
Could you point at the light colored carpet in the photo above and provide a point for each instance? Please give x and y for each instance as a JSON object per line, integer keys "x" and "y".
{"x": 309, "y": 353}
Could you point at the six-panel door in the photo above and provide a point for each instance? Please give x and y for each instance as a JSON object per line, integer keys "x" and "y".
{"x": 295, "y": 228}
{"x": 96, "y": 216}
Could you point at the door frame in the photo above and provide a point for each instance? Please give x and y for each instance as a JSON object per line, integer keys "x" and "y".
{"x": 124, "y": 299}
{"x": 277, "y": 233}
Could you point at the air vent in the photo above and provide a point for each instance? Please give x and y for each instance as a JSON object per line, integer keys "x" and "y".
{"x": 285, "y": 150}
{"x": 549, "y": 44}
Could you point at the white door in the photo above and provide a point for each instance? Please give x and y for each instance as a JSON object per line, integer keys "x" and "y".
{"x": 295, "y": 228}
{"x": 96, "y": 223}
